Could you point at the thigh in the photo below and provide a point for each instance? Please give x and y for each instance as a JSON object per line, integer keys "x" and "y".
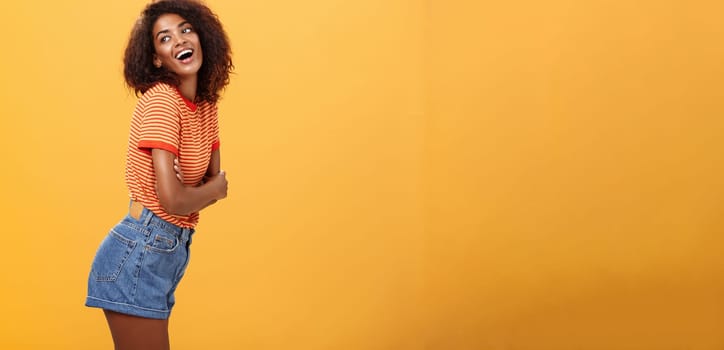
{"x": 137, "y": 333}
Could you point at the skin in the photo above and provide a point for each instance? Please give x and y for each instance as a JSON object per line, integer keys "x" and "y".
{"x": 130, "y": 332}
{"x": 172, "y": 34}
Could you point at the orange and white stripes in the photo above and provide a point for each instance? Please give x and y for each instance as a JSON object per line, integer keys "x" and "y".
{"x": 165, "y": 120}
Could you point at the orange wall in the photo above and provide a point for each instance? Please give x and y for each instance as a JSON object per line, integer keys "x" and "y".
{"x": 403, "y": 175}
{"x": 574, "y": 175}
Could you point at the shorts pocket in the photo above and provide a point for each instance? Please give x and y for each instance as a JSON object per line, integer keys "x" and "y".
{"x": 111, "y": 256}
{"x": 163, "y": 242}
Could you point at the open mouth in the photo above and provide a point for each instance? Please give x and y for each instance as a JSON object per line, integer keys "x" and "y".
{"x": 184, "y": 54}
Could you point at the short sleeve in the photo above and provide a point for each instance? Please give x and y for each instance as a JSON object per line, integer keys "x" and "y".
{"x": 160, "y": 123}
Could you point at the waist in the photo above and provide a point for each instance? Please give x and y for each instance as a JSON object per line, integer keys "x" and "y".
{"x": 139, "y": 200}
{"x": 144, "y": 216}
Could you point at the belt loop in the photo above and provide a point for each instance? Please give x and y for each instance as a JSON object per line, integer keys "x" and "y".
{"x": 149, "y": 216}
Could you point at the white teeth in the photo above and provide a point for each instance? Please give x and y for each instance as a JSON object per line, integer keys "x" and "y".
{"x": 184, "y": 52}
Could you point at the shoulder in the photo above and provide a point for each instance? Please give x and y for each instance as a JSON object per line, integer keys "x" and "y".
{"x": 160, "y": 101}
{"x": 161, "y": 93}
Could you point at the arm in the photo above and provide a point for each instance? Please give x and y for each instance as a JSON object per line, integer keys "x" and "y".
{"x": 214, "y": 164}
{"x": 213, "y": 170}
{"x": 178, "y": 199}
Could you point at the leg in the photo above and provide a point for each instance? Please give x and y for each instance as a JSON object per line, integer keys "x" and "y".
{"x": 137, "y": 333}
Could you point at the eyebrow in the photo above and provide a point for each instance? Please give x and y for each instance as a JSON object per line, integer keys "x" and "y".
{"x": 166, "y": 30}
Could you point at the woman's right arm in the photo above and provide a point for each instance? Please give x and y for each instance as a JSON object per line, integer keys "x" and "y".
{"x": 178, "y": 199}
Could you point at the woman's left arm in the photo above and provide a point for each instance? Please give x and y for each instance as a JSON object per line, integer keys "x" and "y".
{"x": 214, "y": 164}
{"x": 213, "y": 170}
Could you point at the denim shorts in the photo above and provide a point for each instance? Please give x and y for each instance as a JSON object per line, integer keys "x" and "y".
{"x": 138, "y": 266}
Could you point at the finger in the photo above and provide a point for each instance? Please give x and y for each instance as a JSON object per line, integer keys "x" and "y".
{"x": 179, "y": 174}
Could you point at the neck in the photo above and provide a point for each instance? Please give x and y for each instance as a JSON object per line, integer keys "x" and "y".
{"x": 188, "y": 88}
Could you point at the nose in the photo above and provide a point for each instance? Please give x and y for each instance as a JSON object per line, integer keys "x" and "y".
{"x": 180, "y": 41}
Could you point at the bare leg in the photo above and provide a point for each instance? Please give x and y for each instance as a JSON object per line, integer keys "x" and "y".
{"x": 137, "y": 333}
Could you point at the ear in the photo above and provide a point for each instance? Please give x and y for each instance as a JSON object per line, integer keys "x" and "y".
{"x": 156, "y": 61}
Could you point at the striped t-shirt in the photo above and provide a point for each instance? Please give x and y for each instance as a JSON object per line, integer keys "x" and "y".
{"x": 166, "y": 120}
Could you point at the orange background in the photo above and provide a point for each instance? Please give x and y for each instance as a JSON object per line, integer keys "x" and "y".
{"x": 403, "y": 175}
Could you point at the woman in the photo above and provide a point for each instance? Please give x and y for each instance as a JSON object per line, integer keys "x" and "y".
{"x": 178, "y": 57}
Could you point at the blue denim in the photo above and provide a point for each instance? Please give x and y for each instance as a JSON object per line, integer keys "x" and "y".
{"x": 138, "y": 267}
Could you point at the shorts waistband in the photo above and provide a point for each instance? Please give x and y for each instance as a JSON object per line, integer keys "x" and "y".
{"x": 146, "y": 217}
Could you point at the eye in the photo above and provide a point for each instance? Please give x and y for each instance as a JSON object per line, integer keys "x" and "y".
{"x": 165, "y": 38}
{"x": 187, "y": 30}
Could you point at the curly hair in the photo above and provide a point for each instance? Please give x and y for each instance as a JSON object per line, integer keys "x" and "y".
{"x": 213, "y": 76}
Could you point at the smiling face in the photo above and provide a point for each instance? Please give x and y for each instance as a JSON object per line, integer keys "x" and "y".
{"x": 177, "y": 46}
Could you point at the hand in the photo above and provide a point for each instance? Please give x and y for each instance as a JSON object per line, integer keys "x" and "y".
{"x": 219, "y": 183}
{"x": 177, "y": 168}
